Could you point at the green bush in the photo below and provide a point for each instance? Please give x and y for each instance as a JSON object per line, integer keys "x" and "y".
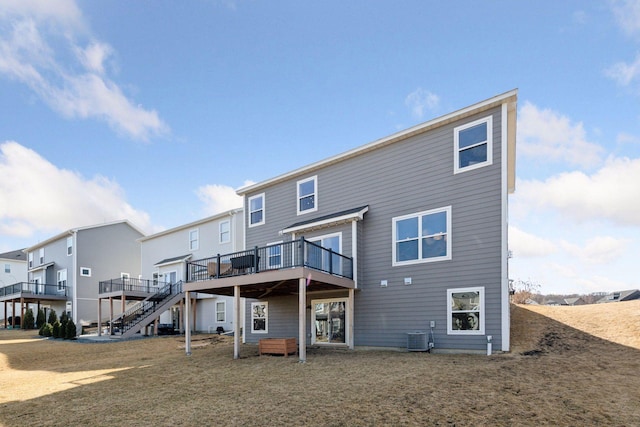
{"x": 70, "y": 332}
{"x": 28, "y": 321}
{"x": 55, "y": 330}
{"x": 53, "y": 317}
{"x": 46, "y": 330}
{"x": 40, "y": 320}
{"x": 63, "y": 325}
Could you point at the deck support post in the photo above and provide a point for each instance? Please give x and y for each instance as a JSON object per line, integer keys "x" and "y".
{"x": 236, "y": 320}
{"x": 302, "y": 324}
{"x": 350, "y": 303}
{"x": 99, "y": 316}
{"x": 187, "y": 330}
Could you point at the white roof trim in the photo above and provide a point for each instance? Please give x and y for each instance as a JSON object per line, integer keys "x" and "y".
{"x": 440, "y": 121}
{"x": 356, "y": 216}
{"x": 192, "y": 224}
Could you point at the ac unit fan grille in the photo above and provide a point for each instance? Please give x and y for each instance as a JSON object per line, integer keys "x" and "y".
{"x": 417, "y": 341}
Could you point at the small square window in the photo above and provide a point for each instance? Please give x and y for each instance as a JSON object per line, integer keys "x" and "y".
{"x": 307, "y": 195}
{"x": 256, "y": 210}
{"x": 473, "y": 145}
{"x": 85, "y": 271}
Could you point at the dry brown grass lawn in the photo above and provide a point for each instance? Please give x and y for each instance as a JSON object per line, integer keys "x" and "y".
{"x": 581, "y": 368}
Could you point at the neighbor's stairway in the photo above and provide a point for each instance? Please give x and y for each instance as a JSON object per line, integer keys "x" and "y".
{"x": 147, "y": 311}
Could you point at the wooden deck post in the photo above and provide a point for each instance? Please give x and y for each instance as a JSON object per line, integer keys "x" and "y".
{"x": 302, "y": 324}
{"x": 187, "y": 330}
{"x": 236, "y": 320}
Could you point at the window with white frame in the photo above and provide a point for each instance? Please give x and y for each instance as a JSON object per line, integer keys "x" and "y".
{"x": 473, "y": 145}
{"x": 256, "y": 210}
{"x": 221, "y": 311}
{"x": 422, "y": 237}
{"x": 30, "y": 259}
{"x": 307, "y": 195}
{"x": 41, "y": 256}
{"x": 7, "y": 268}
{"x": 465, "y": 311}
{"x": 194, "y": 237}
{"x": 85, "y": 271}
{"x": 69, "y": 246}
{"x": 62, "y": 279}
{"x": 274, "y": 255}
{"x": 259, "y": 317}
{"x": 225, "y": 231}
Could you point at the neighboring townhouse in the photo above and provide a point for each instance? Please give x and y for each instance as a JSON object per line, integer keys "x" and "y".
{"x": 64, "y": 270}
{"x": 164, "y": 256}
{"x": 13, "y": 272}
{"x": 401, "y": 242}
{"x": 619, "y": 296}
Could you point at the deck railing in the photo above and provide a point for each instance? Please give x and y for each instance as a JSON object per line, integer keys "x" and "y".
{"x": 296, "y": 253}
{"x": 130, "y": 285}
{"x": 34, "y": 289}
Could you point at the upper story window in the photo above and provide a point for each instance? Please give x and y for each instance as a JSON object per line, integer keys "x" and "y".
{"x": 225, "y": 232}
{"x": 41, "y": 256}
{"x": 194, "y": 238}
{"x": 62, "y": 279}
{"x": 85, "y": 271}
{"x": 69, "y": 246}
{"x": 473, "y": 145}
{"x": 465, "y": 311}
{"x": 422, "y": 237}
{"x": 7, "y": 268}
{"x": 307, "y": 195}
{"x": 30, "y": 259}
{"x": 256, "y": 210}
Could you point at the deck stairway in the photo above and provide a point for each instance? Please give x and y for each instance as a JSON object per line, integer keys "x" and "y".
{"x": 146, "y": 311}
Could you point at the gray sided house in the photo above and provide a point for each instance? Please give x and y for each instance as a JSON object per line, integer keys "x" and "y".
{"x": 164, "y": 256}
{"x": 13, "y": 272}
{"x": 64, "y": 270}
{"x": 399, "y": 243}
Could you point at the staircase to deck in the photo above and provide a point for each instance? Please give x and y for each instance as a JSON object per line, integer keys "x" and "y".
{"x": 145, "y": 312}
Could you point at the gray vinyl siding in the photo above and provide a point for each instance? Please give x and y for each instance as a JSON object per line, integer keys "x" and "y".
{"x": 407, "y": 177}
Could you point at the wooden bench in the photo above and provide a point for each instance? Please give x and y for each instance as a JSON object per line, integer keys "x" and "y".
{"x": 284, "y": 346}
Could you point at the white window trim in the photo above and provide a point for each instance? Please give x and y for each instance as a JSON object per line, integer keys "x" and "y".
{"x": 395, "y": 263}
{"x": 194, "y": 244}
{"x": 41, "y": 256}
{"x": 450, "y": 330}
{"x": 85, "y": 268}
{"x": 456, "y": 150}
{"x": 264, "y": 209}
{"x": 228, "y": 222}
{"x": 61, "y": 276}
{"x": 315, "y": 195}
{"x": 7, "y": 268}
{"x": 269, "y": 245}
{"x": 223, "y": 311}
{"x": 266, "y": 317}
{"x": 69, "y": 246}
{"x": 30, "y": 259}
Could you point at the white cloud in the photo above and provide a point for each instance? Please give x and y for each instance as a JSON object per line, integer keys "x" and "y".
{"x": 627, "y": 13}
{"x": 421, "y": 100}
{"x": 548, "y": 135}
{"x": 36, "y": 196}
{"x": 612, "y": 193}
{"x": 219, "y": 198}
{"x": 597, "y": 250}
{"x": 524, "y": 244}
{"x": 624, "y": 73}
{"x": 34, "y": 39}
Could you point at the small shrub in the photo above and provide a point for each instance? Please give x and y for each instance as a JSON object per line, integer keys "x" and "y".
{"x": 53, "y": 317}
{"x": 70, "y": 332}
{"x": 40, "y": 320}
{"x": 55, "y": 330}
{"x": 46, "y": 330}
{"x": 28, "y": 321}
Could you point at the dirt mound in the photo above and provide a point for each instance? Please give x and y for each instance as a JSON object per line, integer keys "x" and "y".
{"x": 537, "y": 330}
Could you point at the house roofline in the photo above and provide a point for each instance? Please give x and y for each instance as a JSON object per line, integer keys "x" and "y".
{"x": 229, "y": 213}
{"x": 72, "y": 231}
{"x": 479, "y": 107}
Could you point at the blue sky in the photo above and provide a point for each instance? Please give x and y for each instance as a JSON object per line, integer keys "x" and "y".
{"x": 156, "y": 111}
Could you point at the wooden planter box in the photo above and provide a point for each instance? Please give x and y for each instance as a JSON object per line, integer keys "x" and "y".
{"x": 284, "y": 346}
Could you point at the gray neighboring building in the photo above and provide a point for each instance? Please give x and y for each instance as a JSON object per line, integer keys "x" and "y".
{"x": 13, "y": 271}
{"x": 164, "y": 256}
{"x": 618, "y": 296}
{"x": 64, "y": 270}
{"x": 403, "y": 238}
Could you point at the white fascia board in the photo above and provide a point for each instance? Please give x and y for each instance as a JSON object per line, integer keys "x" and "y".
{"x": 356, "y": 216}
